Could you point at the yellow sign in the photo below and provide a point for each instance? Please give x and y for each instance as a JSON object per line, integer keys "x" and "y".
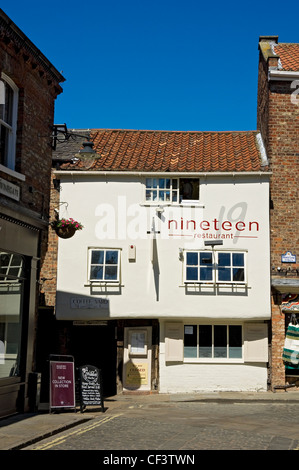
{"x": 137, "y": 373}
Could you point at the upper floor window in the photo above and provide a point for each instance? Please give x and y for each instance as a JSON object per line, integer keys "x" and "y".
{"x": 8, "y": 121}
{"x": 104, "y": 265}
{"x": 218, "y": 266}
{"x": 172, "y": 189}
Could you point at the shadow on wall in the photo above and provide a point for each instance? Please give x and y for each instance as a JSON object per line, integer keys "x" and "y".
{"x": 132, "y": 377}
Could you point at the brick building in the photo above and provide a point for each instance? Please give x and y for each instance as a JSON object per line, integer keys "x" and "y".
{"x": 278, "y": 122}
{"x": 29, "y": 85}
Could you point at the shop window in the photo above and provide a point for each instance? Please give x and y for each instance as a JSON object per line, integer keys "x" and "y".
{"x": 104, "y": 265}
{"x": 172, "y": 190}
{"x": 11, "y": 290}
{"x": 8, "y": 121}
{"x": 213, "y": 342}
{"x": 221, "y": 267}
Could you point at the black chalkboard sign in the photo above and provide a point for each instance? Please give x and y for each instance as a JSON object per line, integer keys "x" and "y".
{"x": 90, "y": 382}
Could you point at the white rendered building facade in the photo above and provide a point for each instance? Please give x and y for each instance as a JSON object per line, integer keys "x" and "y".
{"x": 175, "y": 263}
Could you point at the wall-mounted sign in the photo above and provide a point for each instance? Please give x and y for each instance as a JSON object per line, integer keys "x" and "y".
{"x": 85, "y": 302}
{"x": 288, "y": 257}
{"x": 136, "y": 374}
{"x": 137, "y": 343}
{"x": 9, "y": 189}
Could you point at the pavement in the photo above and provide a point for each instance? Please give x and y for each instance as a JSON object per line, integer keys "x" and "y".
{"x": 21, "y": 430}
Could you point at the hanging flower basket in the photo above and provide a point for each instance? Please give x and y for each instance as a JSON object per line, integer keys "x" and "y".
{"x": 66, "y": 228}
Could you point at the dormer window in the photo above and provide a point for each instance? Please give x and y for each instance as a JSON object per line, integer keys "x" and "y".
{"x": 8, "y": 121}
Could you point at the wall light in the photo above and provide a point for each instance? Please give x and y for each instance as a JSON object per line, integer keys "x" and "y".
{"x": 214, "y": 243}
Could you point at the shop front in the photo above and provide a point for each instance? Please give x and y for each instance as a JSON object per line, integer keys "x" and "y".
{"x": 18, "y": 260}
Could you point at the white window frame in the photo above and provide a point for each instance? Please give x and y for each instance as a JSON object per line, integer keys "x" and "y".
{"x": 151, "y": 188}
{"x": 214, "y": 359}
{"x": 90, "y": 264}
{"x": 5, "y": 274}
{"x": 214, "y": 266}
{"x": 12, "y": 128}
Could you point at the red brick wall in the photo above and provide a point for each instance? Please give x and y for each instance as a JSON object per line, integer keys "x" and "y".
{"x": 37, "y": 93}
{"x": 278, "y": 121}
{"x": 49, "y": 266}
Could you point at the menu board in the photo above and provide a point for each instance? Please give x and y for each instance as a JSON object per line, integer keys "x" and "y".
{"x": 91, "y": 392}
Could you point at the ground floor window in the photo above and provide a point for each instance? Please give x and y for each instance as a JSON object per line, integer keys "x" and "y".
{"x": 12, "y": 277}
{"x": 213, "y": 341}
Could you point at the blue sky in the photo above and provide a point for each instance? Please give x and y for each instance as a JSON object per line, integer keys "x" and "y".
{"x": 163, "y": 65}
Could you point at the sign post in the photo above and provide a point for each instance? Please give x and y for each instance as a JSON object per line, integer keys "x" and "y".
{"x": 62, "y": 382}
{"x": 91, "y": 389}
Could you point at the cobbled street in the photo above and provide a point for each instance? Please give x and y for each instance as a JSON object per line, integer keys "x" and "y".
{"x": 184, "y": 426}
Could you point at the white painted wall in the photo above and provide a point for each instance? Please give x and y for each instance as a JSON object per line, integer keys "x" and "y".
{"x": 209, "y": 375}
{"x": 119, "y": 201}
{"x": 189, "y": 378}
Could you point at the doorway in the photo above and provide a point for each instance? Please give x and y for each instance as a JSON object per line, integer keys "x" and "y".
{"x": 137, "y": 358}
{"x": 96, "y": 345}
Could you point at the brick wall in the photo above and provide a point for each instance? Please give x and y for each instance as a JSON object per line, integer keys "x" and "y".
{"x": 278, "y": 121}
{"x": 49, "y": 265}
{"x": 37, "y": 93}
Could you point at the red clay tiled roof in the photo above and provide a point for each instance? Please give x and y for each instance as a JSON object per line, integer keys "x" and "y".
{"x": 172, "y": 151}
{"x": 289, "y": 56}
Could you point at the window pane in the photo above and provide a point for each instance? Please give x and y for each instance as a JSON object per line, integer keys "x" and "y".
{"x": 13, "y": 338}
{"x": 192, "y": 259}
{"x": 205, "y": 340}
{"x": 96, "y": 272}
{"x": 174, "y": 196}
{"x": 111, "y": 257}
{"x": 223, "y": 259}
{"x": 167, "y": 183}
{"x": 155, "y": 183}
{"x": 167, "y": 195}
{"x": 238, "y": 274}
{"x": 154, "y": 193}
{"x": 220, "y": 341}
{"x": 4, "y": 138}
{"x": 206, "y": 274}
{"x": 238, "y": 259}
{"x": 190, "y": 341}
{"x": 235, "y": 341}
{"x": 192, "y": 274}
{"x": 149, "y": 182}
{"x": 224, "y": 274}
{"x": 206, "y": 258}
{"x": 97, "y": 257}
{"x": 148, "y": 195}
{"x": 189, "y": 188}
{"x": 162, "y": 195}
{"x": 161, "y": 183}
{"x": 11, "y": 314}
{"x": 111, "y": 273}
{"x": 174, "y": 184}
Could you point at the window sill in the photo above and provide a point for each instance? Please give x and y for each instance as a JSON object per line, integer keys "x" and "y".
{"x": 173, "y": 204}
{"x": 213, "y": 284}
{"x": 13, "y": 173}
{"x": 103, "y": 283}
{"x": 213, "y": 361}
